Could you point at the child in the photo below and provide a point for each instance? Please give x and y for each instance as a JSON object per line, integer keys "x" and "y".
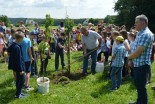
{"x": 34, "y": 51}
{"x": 131, "y": 38}
{"x": 114, "y": 45}
{"x": 2, "y": 44}
{"x": 104, "y": 47}
{"x": 16, "y": 62}
{"x": 117, "y": 63}
{"x": 10, "y": 41}
{"x": 78, "y": 36}
{"x": 60, "y": 51}
{"x": 125, "y": 71}
{"x": 27, "y": 55}
{"x": 44, "y": 56}
{"x": 73, "y": 46}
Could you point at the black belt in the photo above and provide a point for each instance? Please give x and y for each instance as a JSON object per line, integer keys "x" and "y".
{"x": 91, "y": 49}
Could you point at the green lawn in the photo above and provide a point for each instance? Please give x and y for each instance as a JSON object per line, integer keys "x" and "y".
{"x": 92, "y": 89}
{"x": 42, "y": 27}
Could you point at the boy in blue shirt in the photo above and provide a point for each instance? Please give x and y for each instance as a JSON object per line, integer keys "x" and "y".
{"x": 16, "y": 62}
{"x": 27, "y": 55}
{"x": 117, "y": 63}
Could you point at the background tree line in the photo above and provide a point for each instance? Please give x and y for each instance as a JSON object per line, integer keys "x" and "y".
{"x": 41, "y": 22}
{"x": 129, "y": 9}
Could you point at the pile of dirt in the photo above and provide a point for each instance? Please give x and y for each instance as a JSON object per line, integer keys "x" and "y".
{"x": 65, "y": 77}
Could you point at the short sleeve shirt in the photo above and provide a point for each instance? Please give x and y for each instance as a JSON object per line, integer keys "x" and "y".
{"x": 119, "y": 53}
{"x": 25, "y": 45}
{"x": 144, "y": 38}
{"x": 91, "y": 41}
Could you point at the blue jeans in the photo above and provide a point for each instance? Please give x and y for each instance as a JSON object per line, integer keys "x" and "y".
{"x": 116, "y": 72}
{"x": 93, "y": 57}
{"x": 19, "y": 83}
{"x": 149, "y": 74}
{"x": 140, "y": 79}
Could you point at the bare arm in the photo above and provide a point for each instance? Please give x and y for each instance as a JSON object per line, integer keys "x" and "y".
{"x": 137, "y": 53}
{"x": 61, "y": 46}
{"x": 127, "y": 46}
{"x": 100, "y": 40}
{"x": 113, "y": 57}
{"x": 84, "y": 48}
{"x": 30, "y": 54}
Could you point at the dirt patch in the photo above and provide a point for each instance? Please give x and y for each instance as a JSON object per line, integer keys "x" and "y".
{"x": 65, "y": 77}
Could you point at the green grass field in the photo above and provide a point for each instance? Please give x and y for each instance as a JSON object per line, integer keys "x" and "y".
{"x": 42, "y": 27}
{"x": 92, "y": 89}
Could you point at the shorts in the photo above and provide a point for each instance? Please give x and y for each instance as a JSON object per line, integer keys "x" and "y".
{"x": 28, "y": 67}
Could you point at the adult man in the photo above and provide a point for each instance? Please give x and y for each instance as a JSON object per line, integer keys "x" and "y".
{"x": 90, "y": 44}
{"x": 141, "y": 57}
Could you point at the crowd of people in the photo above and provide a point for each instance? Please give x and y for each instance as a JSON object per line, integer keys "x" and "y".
{"x": 132, "y": 52}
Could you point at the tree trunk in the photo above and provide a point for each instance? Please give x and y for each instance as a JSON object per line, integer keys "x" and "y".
{"x": 68, "y": 55}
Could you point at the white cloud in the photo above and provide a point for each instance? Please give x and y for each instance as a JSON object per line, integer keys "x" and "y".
{"x": 39, "y": 8}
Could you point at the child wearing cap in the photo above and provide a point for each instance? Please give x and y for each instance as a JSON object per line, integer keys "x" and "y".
{"x": 117, "y": 63}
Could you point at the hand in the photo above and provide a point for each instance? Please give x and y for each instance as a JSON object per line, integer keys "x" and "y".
{"x": 31, "y": 60}
{"x": 128, "y": 64}
{"x": 21, "y": 73}
{"x": 84, "y": 53}
{"x": 98, "y": 47}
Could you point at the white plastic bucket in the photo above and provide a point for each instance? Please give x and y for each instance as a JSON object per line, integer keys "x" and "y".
{"x": 99, "y": 66}
{"x": 43, "y": 87}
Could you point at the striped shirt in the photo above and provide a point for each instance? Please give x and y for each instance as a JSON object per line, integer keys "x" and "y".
{"x": 119, "y": 53}
{"x": 144, "y": 38}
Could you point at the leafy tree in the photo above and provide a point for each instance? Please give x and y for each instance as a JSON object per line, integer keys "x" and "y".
{"x": 43, "y": 46}
{"x": 93, "y": 21}
{"x": 68, "y": 29}
{"x": 48, "y": 22}
{"x": 5, "y": 19}
{"x": 110, "y": 19}
{"x": 129, "y": 9}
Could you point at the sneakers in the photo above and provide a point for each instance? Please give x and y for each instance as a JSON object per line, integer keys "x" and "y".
{"x": 112, "y": 89}
{"x": 153, "y": 87}
{"x": 28, "y": 88}
{"x": 118, "y": 87}
{"x": 133, "y": 103}
{"x": 35, "y": 76}
{"x": 84, "y": 73}
{"x": 22, "y": 95}
{"x": 14, "y": 82}
{"x": 93, "y": 73}
{"x": 148, "y": 82}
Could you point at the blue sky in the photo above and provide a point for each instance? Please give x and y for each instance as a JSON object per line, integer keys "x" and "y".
{"x": 57, "y": 8}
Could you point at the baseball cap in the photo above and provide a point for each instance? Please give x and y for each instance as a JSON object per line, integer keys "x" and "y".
{"x": 120, "y": 38}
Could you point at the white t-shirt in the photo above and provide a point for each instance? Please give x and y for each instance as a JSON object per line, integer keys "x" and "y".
{"x": 126, "y": 42}
{"x": 113, "y": 47}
